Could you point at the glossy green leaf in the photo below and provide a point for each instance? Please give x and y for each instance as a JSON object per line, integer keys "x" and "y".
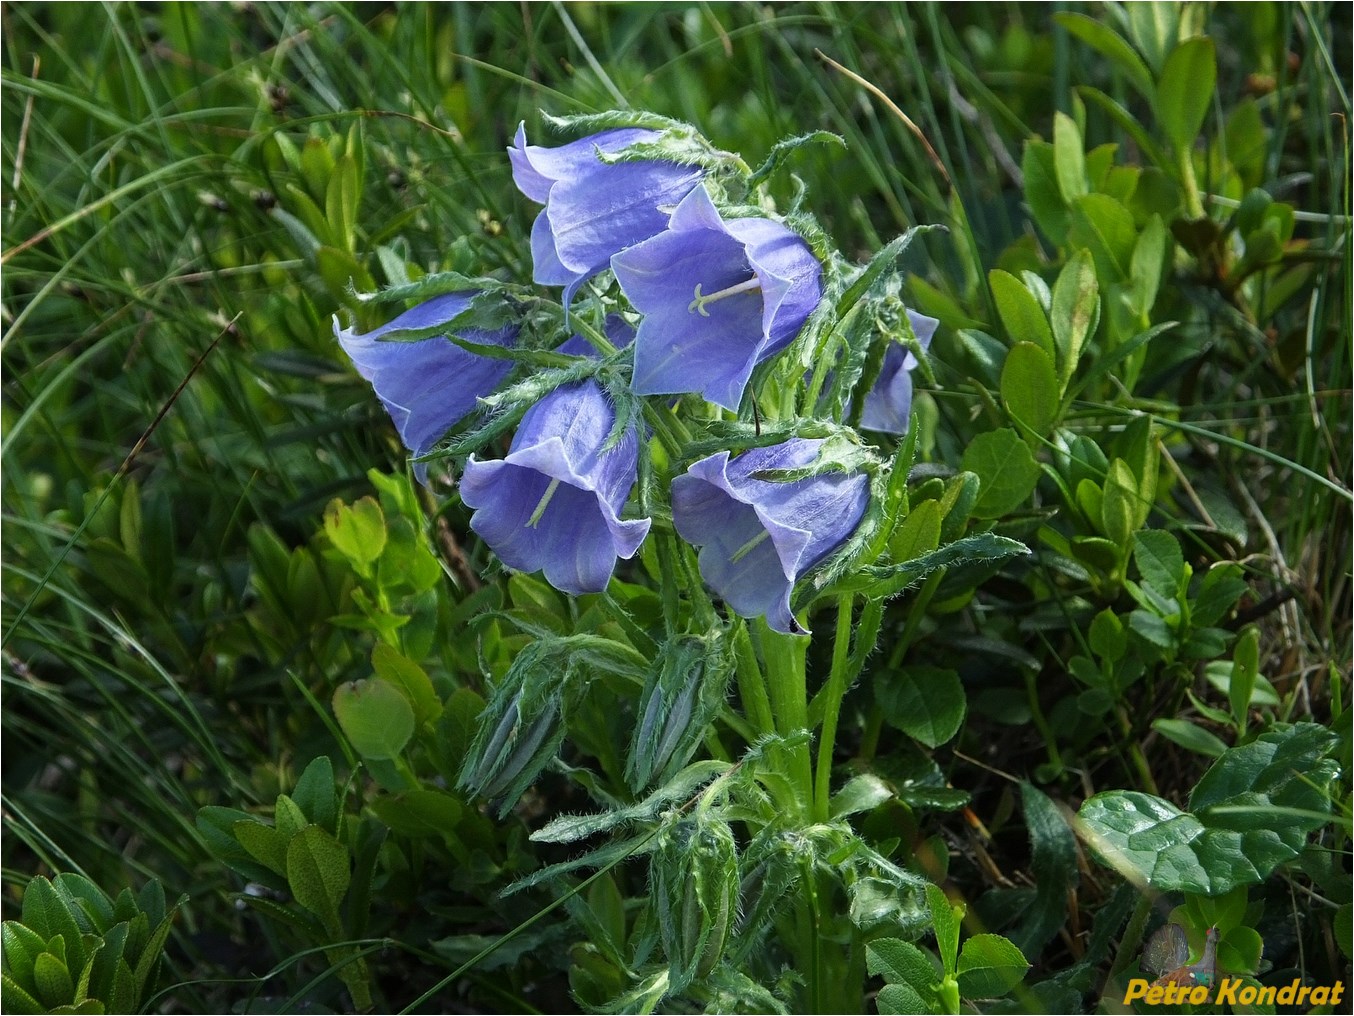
{"x": 1053, "y": 852}
{"x": 1103, "y": 226}
{"x": 377, "y": 718}
{"x": 1042, "y": 192}
{"x": 1251, "y": 812}
{"x": 357, "y": 531}
{"x": 1021, "y": 314}
{"x": 901, "y": 1000}
{"x": 1029, "y": 387}
{"x": 315, "y": 795}
{"x": 52, "y": 981}
{"x": 945, "y": 918}
{"x": 1185, "y": 91}
{"x": 917, "y": 534}
{"x": 927, "y": 703}
{"x": 410, "y": 678}
{"x": 1007, "y": 469}
{"x": 900, "y": 962}
{"x": 1118, "y": 507}
{"x": 990, "y": 966}
{"x": 1076, "y": 311}
{"x": 264, "y": 843}
{"x": 1069, "y": 158}
{"x": 1160, "y": 561}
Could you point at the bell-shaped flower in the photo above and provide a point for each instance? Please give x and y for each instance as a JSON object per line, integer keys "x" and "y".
{"x": 427, "y": 385}
{"x": 553, "y": 503}
{"x": 593, "y": 208}
{"x": 756, "y": 536}
{"x": 717, "y": 297}
{"x": 888, "y": 405}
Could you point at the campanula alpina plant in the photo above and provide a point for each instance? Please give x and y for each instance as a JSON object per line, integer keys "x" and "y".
{"x": 752, "y": 508}
{"x": 428, "y": 385}
{"x": 593, "y": 208}
{"x": 758, "y": 536}
{"x": 553, "y": 503}
{"x": 718, "y": 297}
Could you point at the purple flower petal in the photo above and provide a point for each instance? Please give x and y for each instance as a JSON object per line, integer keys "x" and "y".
{"x": 757, "y": 537}
{"x": 888, "y": 405}
{"x": 553, "y": 503}
{"x": 717, "y": 298}
{"x": 429, "y": 385}
{"x": 593, "y": 209}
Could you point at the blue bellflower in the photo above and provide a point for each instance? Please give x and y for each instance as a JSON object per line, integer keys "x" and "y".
{"x": 553, "y": 503}
{"x": 717, "y": 297}
{"x": 592, "y": 208}
{"x": 429, "y": 385}
{"x": 757, "y": 537}
{"x": 888, "y": 406}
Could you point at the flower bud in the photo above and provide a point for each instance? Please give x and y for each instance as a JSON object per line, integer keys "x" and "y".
{"x": 694, "y": 873}
{"x": 682, "y": 693}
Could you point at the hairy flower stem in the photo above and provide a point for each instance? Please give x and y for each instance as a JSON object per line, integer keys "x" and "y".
{"x": 751, "y": 685}
{"x": 836, "y": 690}
{"x": 783, "y": 656}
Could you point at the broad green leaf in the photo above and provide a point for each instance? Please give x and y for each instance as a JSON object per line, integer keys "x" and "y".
{"x": 1118, "y": 507}
{"x": 1007, "y": 469}
{"x": 1107, "y": 637}
{"x": 47, "y": 914}
{"x": 1076, "y": 311}
{"x": 1154, "y": 29}
{"x": 1111, "y": 44}
{"x": 1021, "y": 314}
{"x": 1252, "y": 811}
{"x": 318, "y": 873}
{"x": 900, "y": 1000}
{"x": 927, "y": 703}
{"x": 410, "y": 678}
{"x": 945, "y": 918}
{"x": 357, "y": 531}
{"x": 314, "y": 793}
{"x": 216, "y": 824}
{"x": 420, "y": 812}
{"x": 1159, "y": 560}
{"x": 1149, "y": 255}
{"x": 264, "y": 843}
{"x": 1190, "y": 736}
{"x": 861, "y": 793}
{"x": 1029, "y": 387}
{"x": 1185, "y": 91}
{"x": 1069, "y": 158}
{"x": 1041, "y": 190}
{"x": 990, "y": 966}
{"x": 1103, "y": 226}
{"x": 900, "y": 962}
{"x": 917, "y": 534}
{"x": 14, "y": 998}
{"x": 376, "y": 716}
{"x": 21, "y": 947}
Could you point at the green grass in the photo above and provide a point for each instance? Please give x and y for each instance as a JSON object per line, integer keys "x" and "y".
{"x": 143, "y": 676}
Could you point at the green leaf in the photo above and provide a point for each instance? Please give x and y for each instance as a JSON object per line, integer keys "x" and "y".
{"x": 1190, "y": 736}
{"x": 264, "y": 843}
{"x": 927, "y": 703}
{"x": 359, "y": 531}
{"x": 1006, "y": 467}
{"x": 1069, "y": 158}
{"x": 1185, "y": 91}
{"x": 1029, "y": 387}
{"x": 1053, "y": 863}
{"x": 860, "y": 793}
{"x": 52, "y": 981}
{"x": 314, "y": 793}
{"x": 900, "y": 962}
{"x": 20, "y": 947}
{"x": 15, "y": 999}
{"x": 945, "y": 918}
{"x": 420, "y": 812}
{"x": 1021, "y": 314}
{"x": 1159, "y": 560}
{"x": 1252, "y": 811}
{"x": 318, "y": 873}
{"x": 1076, "y": 311}
{"x": 1118, "y": 508}
{"x": 918, "y": 533}
{"x": 377, "y": 718}
{"x": 1149, "y": 255}
{"x": 989, "y": 967}
{"x": 410, "y": 678}
{"x": 47, "y": 914}
{"x": 1104, "y": 227}
{"x": 1042, "y": 192}
{"x": 1107, "y": 637}
{"x": 902, "y": 1000}
{"x": 1112, "y": 45}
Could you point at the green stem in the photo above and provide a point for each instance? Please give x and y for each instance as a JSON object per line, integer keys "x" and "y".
{"x": 810, "y": 939}
{"x": 836, "y": 691}
{"x": 1040, "y": 722}
{"x": 784, "y": 659}
{"x": 751, "y": 685}
{"x": 1128, "y": 945}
